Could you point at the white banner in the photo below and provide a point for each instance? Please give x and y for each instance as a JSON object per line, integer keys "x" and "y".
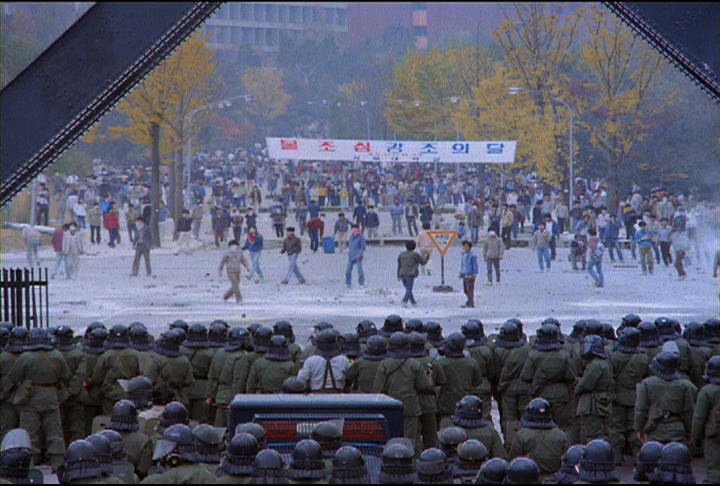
{"x": 495, "y": 152}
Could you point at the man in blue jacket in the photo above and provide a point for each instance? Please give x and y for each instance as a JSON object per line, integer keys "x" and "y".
{"x": 612, "y": 237}
{"x": 356, "y": 251}
{"x": 468, "y": 272}
{"x": 254, "y": 244}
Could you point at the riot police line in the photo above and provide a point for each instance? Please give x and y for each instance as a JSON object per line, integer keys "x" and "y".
{"x": 117, "y": 405}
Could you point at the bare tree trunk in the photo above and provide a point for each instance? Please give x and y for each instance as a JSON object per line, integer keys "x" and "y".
{"x": 179, "y": 187}
{"x": 155, "y": 190}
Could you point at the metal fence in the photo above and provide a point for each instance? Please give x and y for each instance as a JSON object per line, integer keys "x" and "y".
{"x": 25, "y": 297}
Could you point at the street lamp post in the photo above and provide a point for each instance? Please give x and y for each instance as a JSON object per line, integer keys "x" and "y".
{"x": 515, "y": 90}
{"x": 359, "y": 107}
{"x": 188, "y": 121}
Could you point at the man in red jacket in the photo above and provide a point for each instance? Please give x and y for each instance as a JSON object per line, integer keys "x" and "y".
{"x": 60, "y": 257}
{"x": 316, "y": 229}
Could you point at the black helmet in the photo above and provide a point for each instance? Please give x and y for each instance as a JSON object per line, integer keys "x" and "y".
{"x": 712, "y": 370}
{"x": 674, "y": 466}
{"x": 38, "y": 339}
{"x": 80, "y": 462}
{"x": 239, "y": 338}
{"x": 399, "y": 345}
{"x": 174, "y": 413}
{"x": 568, "y": 473}
{"x": 522, "y": 470}
{"x": 630, "y": 320}
{"x": 139, "y": 336}
{"x": 647, "y": 460}
{"x": 597, "y": 463}
{"x": 492, "y": 471}
{"x": 398, "y": 463}
{"x": 329, "y": 436}
{"x": 629, "y": 340}
{"x": 139, "y": 391}
{"x": 253, "y": 327}
{"x": 351, "y": 345}
{"x": 608, "y": 331}
{"x": 208, "y": 442}
{"x": 649, "y": 337}
{"x": 16, "y": 439}
{"x": 454, "y": 345}
{"x": 450, "y": 438}
{"x": 578, "y": 332}
{"x": 256, "y": 430}
{"x": 665, "y": 365}
{"x": 17, "y": 340}
{"x": 103, "y": 452}
{"x": 177, "y": 438}
{"x": 469, "y": 412}
{"x": 240, "y": 455}
{"x": 694, "y": 334}
{"x": 4, "y": 336}
{"x": 538, "y": 415}
{"x": 268, "y": 467}
{"x": 594, "y": 346}
{"x": 307, "y": 461}
{"x": 7, "y": 325}
{"x": 278, "y": 350}
{"x": 433, "y": 333}
{"x": 471, "y": 329}
{"x": 365, "y": 329}
{"x": 348, "y": 467}
{"x": 169, "y": 344}
{"x": 393, "y": 323}
{"x": 118, "y": 337}
{"x": 470, "y": 457}
{"x": 64, "y": 338}
{"x": 510, "y": 336}
{"x": 433, "y": 467}
{"x": 124, "y": 416}
{"x": 117, "y": 445}
{"x": 92, "y": 326}
{"x": 217, "y": 334}
{"x": 293, "y": 384}
{"x": 95, "y": 341}
{"x": 284, "y": 328}
{"x": 417, "y": 345}
{"x": 548, "y": 338}
{"x": 327, "y": 344}
{"x": 180, "y": 324}
{"x": 414, "y": 325}
{"x": 594, "y": 327}
{"x": 261, "y": 339}
{"x": 322, "y": 326}
{"x": 15, "y": 466}
{"x": 197, "y": 337}
{"x": 665, "y": 329}
{"x": 376, "y": 348}
{"x": 712, "y": 330}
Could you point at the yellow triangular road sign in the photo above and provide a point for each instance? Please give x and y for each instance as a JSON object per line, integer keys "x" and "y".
{"x": 442, "y": 239}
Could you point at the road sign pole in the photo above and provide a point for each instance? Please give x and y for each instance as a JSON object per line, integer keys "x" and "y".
{"x": 442, "y": 287}
{"x": 442, "y": 239}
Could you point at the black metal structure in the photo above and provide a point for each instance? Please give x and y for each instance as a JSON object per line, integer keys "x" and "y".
{"x": 82, "y": 76}
{"x": 687, "y": 34}
{"x": 111, "y": 48}
{"x": 24, "y": 299}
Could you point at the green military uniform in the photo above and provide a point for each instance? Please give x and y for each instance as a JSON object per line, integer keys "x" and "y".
{"x": 483, "y": 355}
{"x": 550, "y": 375}
{"x": 361, "y": 375}
{"x": 428, "y": 405}
{"x": 463, "y": 377}
{"x": 92, "y": 399}
{"x": 664, "y": 409}
{"x": 490, "y": 438}
{"x": 48, "y": 372}
{"x": 513, "y": 391}
{"x": 706, "y": 428}
{"x": 594, "y": 400}
{"x": 200, "y": 360}
{"x": 699, "y": 355}
{"x": 227, "y": 377}
{"x": 629, "y": 369}
{"x": 9, "y": 412}
{"x": 145, "y": 357}
{"x": 182, "y": 474}
{"x": 403, "y": 379}
{"x": 102, "y": 479}
{"x": 267, "y": 376}
{"x": 72, "y": 411}
{"x": 139, "y": 451}
{"x": 174, "y": 371}
{"x": 544, "y": 446}
{"x": 114, "y": 364}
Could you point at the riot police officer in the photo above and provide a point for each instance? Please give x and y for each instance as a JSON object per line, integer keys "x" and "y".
{"x": 469, "y": 416}
{"x": 462, "y": 376}
{"x": 178, "y": 459}
{"x": 228, "y": 374}
{"x": 170, "y": 369}
{"x": 197, "y": 349}
{"x": 284, "y": 328}
{"x": 9, "y": 411}
{"x": 706, "y": 425}
{"x": 349, "y": 467}
{"x": 361, "y": 374}
{"x": 72, "y": 411}
{"x": 268, "y": 373}
{"x": 593, "y": 390}
{"x": 124, "y": 420}
{"x": 433, "y": 467}
{"x": 307, "y": 464}
{"x": 236, "y": 466}
{"x": 118, "y": 362}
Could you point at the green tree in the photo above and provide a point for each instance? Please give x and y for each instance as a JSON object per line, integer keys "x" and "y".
{"x": 269, "y": 99}
{"x": 622, "y": 69}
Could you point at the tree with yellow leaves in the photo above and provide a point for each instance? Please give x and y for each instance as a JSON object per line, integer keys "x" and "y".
{"x": 180, "y": 84}
{"x": 269, "y": 99}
